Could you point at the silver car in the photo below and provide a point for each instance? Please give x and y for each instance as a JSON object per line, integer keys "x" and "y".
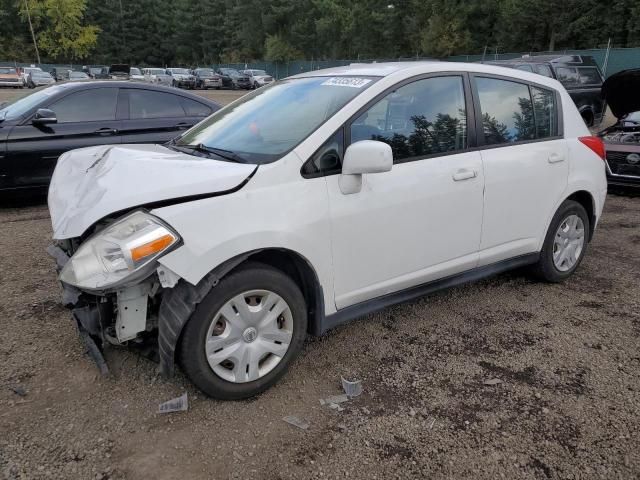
{"x": 157, "y": 75}
{"x": 38, "y": 78}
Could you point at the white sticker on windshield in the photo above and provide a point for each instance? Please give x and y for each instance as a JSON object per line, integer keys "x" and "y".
{"x": 346, "y": 82}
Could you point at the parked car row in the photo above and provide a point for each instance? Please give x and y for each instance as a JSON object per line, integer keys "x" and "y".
{"x": 200, "y": 78}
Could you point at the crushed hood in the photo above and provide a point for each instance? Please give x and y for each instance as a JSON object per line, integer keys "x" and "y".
{"x": 622, "y": 92}
{"x": 91, "y": 183}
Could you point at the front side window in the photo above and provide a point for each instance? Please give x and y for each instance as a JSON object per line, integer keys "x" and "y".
{"x": 145, "y": 104}
{"x": 426, "y": 117}
{"x": 74, "y": 107}
{"x": 264, "y": 125}
{"x": 328, "y": 158}
{"x": 507, "y": 111}
{"x": 526, "y": 68}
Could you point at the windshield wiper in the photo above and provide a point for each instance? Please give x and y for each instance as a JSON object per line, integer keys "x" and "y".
{"x": 226, "y": 154}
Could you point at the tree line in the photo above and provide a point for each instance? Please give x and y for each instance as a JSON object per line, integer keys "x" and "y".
{"x": 203, "y": 32}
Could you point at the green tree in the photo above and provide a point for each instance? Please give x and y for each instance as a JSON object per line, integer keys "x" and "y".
{"x": 59, "y": 27}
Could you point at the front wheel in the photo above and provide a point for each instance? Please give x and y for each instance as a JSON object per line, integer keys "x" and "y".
{"x": 245, "y": 333}
{"x": 565, "y": 243}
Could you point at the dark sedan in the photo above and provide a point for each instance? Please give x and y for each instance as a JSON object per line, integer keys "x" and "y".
{"x": 35, "y": 130}
{"x": 232, "y": 78}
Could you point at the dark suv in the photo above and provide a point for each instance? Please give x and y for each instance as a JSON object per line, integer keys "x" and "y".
{"x": 579, "y": 74}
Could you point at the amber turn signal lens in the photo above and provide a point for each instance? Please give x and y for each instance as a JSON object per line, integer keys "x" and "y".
{"x": 152, "y": 247}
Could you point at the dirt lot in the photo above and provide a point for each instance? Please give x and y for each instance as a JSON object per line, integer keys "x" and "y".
{"x": 567, "y": 355}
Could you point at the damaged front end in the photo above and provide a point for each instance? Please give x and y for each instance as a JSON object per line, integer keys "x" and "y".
{"x": 113, "y": 284}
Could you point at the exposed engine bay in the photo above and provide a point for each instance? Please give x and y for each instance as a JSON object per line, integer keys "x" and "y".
{"x": 621, "y": 136}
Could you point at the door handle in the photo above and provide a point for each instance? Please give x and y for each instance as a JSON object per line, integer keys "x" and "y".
{"x": 464, "y": 174}
{"x": 555, "y": 158}
{"x": 106, "y": 131}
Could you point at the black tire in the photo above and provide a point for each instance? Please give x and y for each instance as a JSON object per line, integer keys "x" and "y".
{"x": 546, "y": 269}
{"x": 192, "y": 355}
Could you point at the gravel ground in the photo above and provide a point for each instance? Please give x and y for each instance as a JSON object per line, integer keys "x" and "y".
{"x": 567, "y": 357}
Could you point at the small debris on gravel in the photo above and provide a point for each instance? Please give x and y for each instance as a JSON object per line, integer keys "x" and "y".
{"x": 296, "y": 422}
{"x": 493, "y": 381}
{"x": 180, "y": 404}
{"x": 352, "y": 389}
{"x": 18, "y": 390}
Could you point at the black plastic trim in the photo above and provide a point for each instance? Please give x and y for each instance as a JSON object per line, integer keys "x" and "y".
{"x": 364, "y": 308}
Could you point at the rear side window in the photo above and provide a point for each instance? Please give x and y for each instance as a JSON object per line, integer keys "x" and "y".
{"x": 568, "y": 76}
{"x": 544, "y": 70}
{"x": 507, "y": 111}
{"x": 96, "y": 104}
{"x": 144, "y": 104}
{"x": 195, "y": 109}
{"x": 545, "y": 111}
{"x": 422, "y": 118}
{"x": 589, "y": 76}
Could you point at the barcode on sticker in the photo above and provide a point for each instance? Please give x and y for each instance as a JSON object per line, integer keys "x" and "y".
{"x": 347, "y": 82}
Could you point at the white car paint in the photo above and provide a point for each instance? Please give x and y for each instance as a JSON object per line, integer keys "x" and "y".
{"x": 405, "y": 227}
{"x": 91, "y": 183}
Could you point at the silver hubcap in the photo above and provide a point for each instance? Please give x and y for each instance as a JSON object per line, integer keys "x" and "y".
{"x": 249, "y": 336}
{"x": 568, "y": 243}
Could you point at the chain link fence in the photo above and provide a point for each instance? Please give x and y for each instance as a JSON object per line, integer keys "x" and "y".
{"x": 618, "y": 59}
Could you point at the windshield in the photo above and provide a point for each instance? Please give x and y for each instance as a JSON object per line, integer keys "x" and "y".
{"x": 20, "y": 106}
{"x": 40, "y": 74}
{"x": 205, "y": 73}
{"x": 263, "y": 126}
{"x": 95, "y": 70}
{"x": 78, "y": 75}
{"x": 7, "y": 70}
{"x": 134, "y": 71}
{"x": 257, "y": 72}
{"x": 156, "y": 71}
{"x": 180, "y": 71}
{"x": 229, "y": 71}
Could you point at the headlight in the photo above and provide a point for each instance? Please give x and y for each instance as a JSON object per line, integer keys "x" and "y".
{"x": 123, "y": 251}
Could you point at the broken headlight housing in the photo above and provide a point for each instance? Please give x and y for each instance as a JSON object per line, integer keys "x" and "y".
{"x": 124, "y": 251}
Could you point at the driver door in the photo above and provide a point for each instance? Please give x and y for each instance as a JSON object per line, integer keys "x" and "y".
{"x": 422, "y": 220}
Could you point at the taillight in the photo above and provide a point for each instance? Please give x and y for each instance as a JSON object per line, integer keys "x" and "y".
{"x": 595, "y": 144}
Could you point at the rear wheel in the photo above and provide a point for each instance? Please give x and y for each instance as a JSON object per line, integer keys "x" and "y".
{"x": 245, "y": 333}
{"x": 565, "y": 244}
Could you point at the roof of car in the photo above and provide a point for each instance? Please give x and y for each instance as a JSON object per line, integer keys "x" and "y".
{"x": 568, "y": 59}
{"x": 135, "y": 85}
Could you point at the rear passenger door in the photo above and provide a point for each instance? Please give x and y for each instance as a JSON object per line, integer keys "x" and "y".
{"x": 525, "y": 163}
{"x": 157, "y": 116}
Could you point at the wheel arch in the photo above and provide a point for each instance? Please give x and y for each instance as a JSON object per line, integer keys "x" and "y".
{"x": 179, "y": 302}
{"x": 585, "y": 199}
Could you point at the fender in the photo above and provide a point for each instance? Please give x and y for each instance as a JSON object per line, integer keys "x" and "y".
{"x": 179, "y": 303}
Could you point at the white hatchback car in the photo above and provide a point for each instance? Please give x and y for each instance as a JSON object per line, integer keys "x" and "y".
{"x": 318, "y": 199}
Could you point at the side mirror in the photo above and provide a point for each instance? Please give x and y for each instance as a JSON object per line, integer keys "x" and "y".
{"x": 44, "y": 116}
{"x": 366, "y": 156}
